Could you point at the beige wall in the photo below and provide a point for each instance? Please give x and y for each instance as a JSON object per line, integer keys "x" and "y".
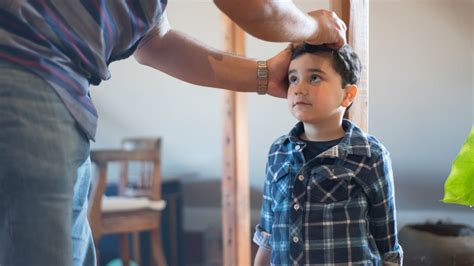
{"x": 421, "y": 91}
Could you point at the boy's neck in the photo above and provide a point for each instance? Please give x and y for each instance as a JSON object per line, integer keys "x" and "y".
{"x": 323, "y": 130}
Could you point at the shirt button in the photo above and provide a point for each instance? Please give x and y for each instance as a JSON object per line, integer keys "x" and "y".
{"x": 297, "y": 147}
{"x": 296, "y": 206}
{"x": 301, "y": 177}
{"x": 296, "y": 239}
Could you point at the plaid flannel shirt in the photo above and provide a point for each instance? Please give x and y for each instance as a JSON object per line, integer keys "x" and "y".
{"x": 336, "y": 209}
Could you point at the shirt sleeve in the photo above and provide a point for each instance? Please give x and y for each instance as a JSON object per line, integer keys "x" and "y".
{"x": 263, "y": 230}
{"x": 382, "y": 212}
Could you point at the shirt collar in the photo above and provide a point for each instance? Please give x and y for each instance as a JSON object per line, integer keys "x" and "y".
{"x": 353, "y": 142}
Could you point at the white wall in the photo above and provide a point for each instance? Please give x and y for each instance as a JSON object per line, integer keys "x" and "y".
{"x": 421, "y": 97}
{"x": 421, "y": 91}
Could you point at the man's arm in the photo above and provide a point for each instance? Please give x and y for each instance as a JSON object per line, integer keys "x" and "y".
{"x": 282, "y": 21}
{"x": 187, "y": 59}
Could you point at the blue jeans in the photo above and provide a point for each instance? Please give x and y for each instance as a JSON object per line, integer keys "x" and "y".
{"x": 44, "y": 176}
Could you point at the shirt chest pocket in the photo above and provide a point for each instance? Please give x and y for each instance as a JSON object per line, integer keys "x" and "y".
{"x": 329, "y": 184}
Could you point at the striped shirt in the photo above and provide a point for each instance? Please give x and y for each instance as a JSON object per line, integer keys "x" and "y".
{"x": 70, "y": 43}
{"x": 336, "y": 209}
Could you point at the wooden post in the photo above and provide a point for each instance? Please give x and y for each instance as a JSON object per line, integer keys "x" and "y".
{"x": 235, "y": 183}
{"x": 355, "y": 13}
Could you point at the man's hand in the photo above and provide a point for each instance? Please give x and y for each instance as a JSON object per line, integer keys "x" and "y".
{"x": 331, "y": 30}
{"x": 278, "y": 73}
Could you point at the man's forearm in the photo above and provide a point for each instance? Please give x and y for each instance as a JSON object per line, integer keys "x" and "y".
{"x": 184, "y": 58}
{"x": 270, "y": 20}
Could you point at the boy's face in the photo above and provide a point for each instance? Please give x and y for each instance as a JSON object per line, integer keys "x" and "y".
{"x": 315, "y": 93}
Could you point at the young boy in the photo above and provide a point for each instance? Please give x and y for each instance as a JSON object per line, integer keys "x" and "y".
{"x": 328, "y": 195}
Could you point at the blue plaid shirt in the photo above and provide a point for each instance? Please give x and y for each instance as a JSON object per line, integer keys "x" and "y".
{"x": 335, "y": 209}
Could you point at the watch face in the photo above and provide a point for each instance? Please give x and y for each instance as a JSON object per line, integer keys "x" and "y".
{"x": 262, "y": 70}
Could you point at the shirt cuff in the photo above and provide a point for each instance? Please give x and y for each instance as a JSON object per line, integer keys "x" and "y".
{"x": 393, "y": 258}
{"x": 261, "y": 238}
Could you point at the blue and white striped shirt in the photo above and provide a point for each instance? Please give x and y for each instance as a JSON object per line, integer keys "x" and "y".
{"x": 335, "y": 209}
{"x": 70, "y": 43}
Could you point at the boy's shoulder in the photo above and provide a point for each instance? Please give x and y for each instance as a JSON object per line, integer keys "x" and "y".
{"x": 375, "y": 146}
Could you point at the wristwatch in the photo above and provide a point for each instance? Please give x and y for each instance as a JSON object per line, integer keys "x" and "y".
{"x": 262, "y": 77}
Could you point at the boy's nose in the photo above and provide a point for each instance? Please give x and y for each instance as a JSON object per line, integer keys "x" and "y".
{"x": 300, "y": 90}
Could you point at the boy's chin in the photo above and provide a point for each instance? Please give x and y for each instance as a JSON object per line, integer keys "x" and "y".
{"x": 309, "y": 118}
{"x": 304, "y": 116}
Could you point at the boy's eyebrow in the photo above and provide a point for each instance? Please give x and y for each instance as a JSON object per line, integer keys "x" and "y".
{"x": 291, "y": 71}
{"x": 315, "y": 70}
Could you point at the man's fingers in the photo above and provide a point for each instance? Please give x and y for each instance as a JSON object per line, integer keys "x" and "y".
{"x": 331, "y": 29}
{"x": 344, "y": 26}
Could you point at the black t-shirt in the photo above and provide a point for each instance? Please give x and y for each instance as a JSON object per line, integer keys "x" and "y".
{"x": 314, "y": 148}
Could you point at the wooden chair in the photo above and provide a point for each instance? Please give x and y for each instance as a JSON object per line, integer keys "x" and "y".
{"x": 138, "y": 205}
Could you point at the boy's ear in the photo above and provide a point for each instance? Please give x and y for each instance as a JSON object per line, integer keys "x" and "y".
{"x": 351, "y": 93}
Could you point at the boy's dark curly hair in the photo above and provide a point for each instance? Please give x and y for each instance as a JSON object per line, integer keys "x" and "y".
{"x": 344, "y": 60}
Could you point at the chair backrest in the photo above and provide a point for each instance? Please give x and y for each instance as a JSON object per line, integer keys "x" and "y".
{"x": 138, "y": 178}
{"x": 141, "y": 143}
{"x": 103, "y": 159}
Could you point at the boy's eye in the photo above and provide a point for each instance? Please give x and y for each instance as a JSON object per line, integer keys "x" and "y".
{"x": 314, "y": 78}
{"x": 292, "y": 79}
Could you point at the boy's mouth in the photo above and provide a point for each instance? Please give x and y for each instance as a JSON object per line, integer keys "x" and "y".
{"x": 301, "y": 103}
